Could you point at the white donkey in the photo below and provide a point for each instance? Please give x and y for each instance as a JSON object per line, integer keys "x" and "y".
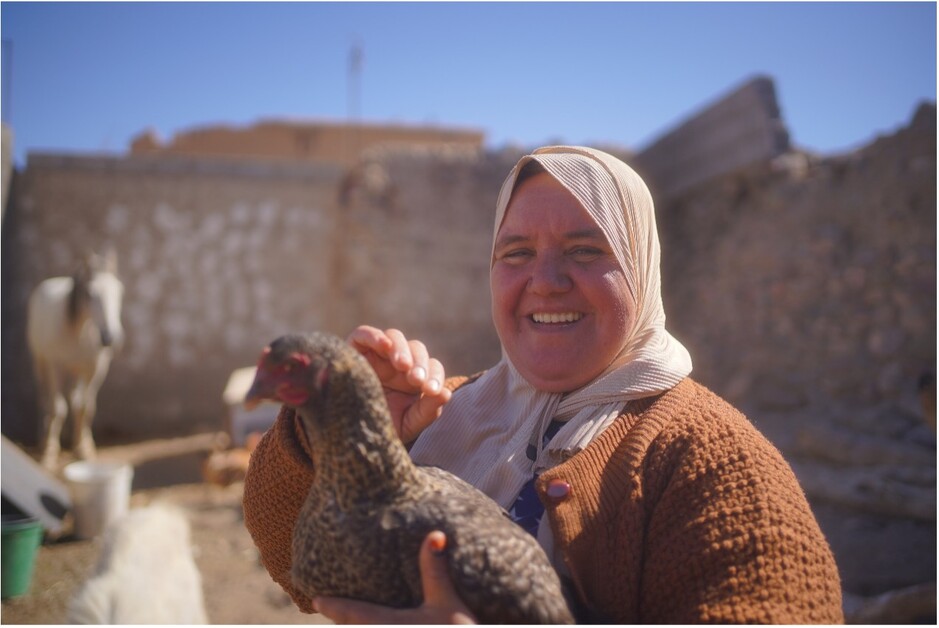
{"x": 72, "y": 327}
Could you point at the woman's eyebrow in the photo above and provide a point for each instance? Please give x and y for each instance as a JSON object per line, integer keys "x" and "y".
{"x": 585, "y": 234}
{"x": 579, "y": 234}
{"x": 510, "y": 239}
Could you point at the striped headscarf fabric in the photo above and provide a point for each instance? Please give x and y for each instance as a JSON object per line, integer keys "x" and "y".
{"x": 488, "y": 429}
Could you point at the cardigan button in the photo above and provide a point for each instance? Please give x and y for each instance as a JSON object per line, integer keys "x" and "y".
{"x": 558, "y": 490}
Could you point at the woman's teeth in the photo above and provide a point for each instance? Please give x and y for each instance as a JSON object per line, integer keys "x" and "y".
{"x": 565, "y": 317}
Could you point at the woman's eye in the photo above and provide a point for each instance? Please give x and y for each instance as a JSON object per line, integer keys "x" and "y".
{"x": 586, "y": 253}
{"x": 516, "y": 255}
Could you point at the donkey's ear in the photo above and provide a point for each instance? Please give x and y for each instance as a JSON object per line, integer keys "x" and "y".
{"x": 105, "y": 262}
{"x": 109, "y": 260}
{"x": 86, "y": 265}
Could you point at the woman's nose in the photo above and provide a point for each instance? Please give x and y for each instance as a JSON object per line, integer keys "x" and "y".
{"x": 549, "y": 276}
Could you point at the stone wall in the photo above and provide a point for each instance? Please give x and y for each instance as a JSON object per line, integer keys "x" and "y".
{"x": 800, "y": 281}
{"x": 218, "y": 258}
{"x": 742, "y": 128}
{"x": 794, "y": 283}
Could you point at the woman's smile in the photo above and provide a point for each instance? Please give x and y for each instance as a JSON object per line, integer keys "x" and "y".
{"x": 554, "y": 319}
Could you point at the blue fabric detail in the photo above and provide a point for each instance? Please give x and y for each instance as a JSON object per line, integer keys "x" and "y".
{"x": 527, "y": 510}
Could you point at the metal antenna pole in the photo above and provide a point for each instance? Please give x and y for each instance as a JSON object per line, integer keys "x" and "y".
{"x": 7, "y": 106}
{"x": 355, "y": 71}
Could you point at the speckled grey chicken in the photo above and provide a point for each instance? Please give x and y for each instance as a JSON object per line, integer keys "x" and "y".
{"x": 369, "y": 508}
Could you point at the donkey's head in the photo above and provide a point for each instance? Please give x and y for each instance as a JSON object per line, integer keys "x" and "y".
{"x": 97, "y": 294}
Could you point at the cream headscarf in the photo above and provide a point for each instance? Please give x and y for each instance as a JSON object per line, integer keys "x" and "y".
{"x": 484, "y": 432}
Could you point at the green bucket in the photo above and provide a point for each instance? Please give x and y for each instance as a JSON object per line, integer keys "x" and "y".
{"x": 21, "y": 538}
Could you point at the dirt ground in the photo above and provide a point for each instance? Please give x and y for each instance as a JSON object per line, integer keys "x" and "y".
{"x": 237, "y": 588}
{"x": 875, "y": 554}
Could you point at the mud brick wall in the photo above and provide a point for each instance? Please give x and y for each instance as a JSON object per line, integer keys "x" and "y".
{"x": 328, "y": 142}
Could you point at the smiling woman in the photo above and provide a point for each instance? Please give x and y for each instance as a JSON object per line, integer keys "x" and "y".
{"x": 561, "y": 303}
{"x": 655, "y": 499}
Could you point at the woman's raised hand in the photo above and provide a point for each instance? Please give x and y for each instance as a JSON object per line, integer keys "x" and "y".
{"x": 413, "y": 381}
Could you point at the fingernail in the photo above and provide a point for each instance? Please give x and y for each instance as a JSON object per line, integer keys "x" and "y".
{"x": 434, "y": 386}
{"x": 438, "y": 543}
{"x": 419, "y": 372}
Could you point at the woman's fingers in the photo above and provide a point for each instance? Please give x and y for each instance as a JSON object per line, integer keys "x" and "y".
{"x": 436, "y": 376}
{"x": 368, "y": 338}
{"x": 417, "y": 374}
{"x": 377, "y": 348}
{"x": 346, "y": 611}
{"x": 413, "y": 381}
{"x": 441, "y": 600}
{"x": 433, "y": 565}
{"x": 411, "y": 359}
{"x": 401, "y": 364}
{"x": 422, "y": 413}
{"x": 400, "y": 354}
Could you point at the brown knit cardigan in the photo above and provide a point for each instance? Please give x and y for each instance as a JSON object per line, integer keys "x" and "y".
{"x": 679, "y": 512}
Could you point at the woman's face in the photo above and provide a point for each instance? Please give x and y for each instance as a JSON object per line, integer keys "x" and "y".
{"x": 561, "y": 304}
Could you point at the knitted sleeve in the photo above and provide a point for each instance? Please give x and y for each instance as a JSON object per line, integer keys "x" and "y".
{"x": 278, "y": 479}
{"x": 732, "y": 538}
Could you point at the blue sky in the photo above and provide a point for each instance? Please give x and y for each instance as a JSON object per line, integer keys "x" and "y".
{"x": 89, "y": 77}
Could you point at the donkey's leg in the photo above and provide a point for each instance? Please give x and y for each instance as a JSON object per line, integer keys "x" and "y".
{"x": 54, "y": 409}
{"x": 85, "y": 408}
{"x": 83, "y": 411}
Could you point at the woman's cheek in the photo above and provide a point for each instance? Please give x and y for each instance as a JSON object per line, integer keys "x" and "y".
{"x": 506, "y": 285}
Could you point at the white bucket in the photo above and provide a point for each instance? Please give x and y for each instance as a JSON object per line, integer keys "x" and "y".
{"x": 100, "y": 494}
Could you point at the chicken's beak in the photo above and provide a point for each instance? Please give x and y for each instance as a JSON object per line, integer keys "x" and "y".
{"x": 259, "y": 391}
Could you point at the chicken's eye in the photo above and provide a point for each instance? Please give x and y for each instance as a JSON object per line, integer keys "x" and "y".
{"x": 282, "y": 369}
